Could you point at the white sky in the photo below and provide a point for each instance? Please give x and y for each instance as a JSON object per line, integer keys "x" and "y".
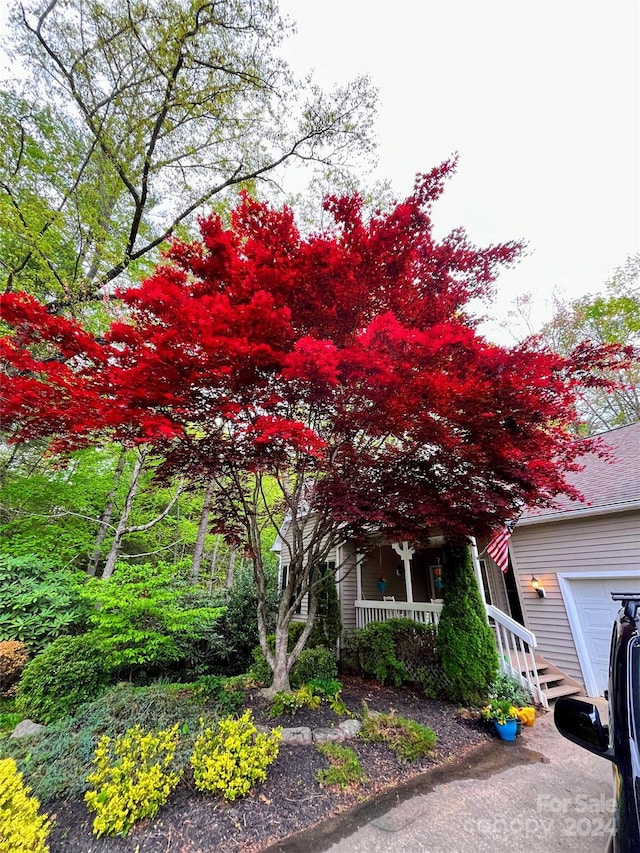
{"x": 540, "y": 99}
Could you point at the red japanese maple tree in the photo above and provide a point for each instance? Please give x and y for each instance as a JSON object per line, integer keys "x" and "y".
{"x": 342, "y": 365}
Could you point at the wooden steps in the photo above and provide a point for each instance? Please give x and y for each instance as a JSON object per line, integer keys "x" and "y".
{"x": 553, "y": 682}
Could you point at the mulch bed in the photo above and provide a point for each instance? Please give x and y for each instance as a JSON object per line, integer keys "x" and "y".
{"x": 290, "y": 800}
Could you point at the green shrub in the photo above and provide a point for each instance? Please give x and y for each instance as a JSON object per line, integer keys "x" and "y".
{"x": 224, "y": 696}
{"x": 22, "y": 829}
{"x": 132, "y": 778}
{"x": 345, "y": 768}
{"x": 505, "y": 687}
{"x": 466, "y": 643}
{"x": 238, "y": 626}
{"x": 314, "y": 663}
{"x": 56, "y": 682}
{"x": 40, "y": 602}
{"x": 260, "y": 671}
{"x": 57, "y": 761}
{"x": 407, "y": 738}
{"x": 142, "y": 618}
{"x": 372, "y": 650}
{"x": 13, "y": 659}
{"x": 232, "y": 757}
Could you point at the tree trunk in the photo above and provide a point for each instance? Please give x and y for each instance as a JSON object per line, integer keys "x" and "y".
{"x": 282, "y": 663}
{"x": 121, "y": 529}
{"x": 231, "y": 567}
{"x": 202, "y": 533}
{"x": 107, "y": 515}
{"x": 214, "y": 563}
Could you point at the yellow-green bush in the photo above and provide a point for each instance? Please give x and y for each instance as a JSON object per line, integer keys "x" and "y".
{"x": 22, "y": 829}
{"x": 132, "y": 778}
{"x": 233, "y": 757}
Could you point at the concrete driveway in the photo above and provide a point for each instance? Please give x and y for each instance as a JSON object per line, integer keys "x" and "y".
{"x": 541, "y": 794}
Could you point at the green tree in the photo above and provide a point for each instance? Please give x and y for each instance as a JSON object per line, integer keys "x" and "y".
{"x": 156, "y": 108}
{"x": 612, "y": 318}
{"x": 466, "y": 644}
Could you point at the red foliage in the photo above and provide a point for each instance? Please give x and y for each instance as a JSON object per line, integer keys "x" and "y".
{"x": 345, "y": 356}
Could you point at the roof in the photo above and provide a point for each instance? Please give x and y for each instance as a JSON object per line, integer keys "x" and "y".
{"x": 607, "y": 485}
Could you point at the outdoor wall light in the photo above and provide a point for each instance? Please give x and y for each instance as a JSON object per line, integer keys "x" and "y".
{"x": 535, "y": 583}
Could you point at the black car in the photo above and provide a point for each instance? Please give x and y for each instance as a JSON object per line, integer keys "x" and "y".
{"x": 580, "y": 722}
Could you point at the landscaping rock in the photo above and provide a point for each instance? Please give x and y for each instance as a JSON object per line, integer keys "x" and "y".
{"x": 350, "y": 727}
{"x": 300, "y": 735}
{"x": 27, "y": 728}
{"x": 329, "y": 735}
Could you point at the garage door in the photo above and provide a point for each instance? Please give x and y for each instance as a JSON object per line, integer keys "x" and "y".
{"x": 593, "y": 613}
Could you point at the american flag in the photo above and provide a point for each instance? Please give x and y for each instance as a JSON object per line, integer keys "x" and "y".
{"x": 498, "y": 548}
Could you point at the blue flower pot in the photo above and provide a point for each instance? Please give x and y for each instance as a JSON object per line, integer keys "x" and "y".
{"x": 508, "y": 730}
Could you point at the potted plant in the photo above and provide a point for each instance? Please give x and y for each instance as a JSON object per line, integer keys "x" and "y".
{"x": 382, "y": 584}
{"x": 504, "y": 717}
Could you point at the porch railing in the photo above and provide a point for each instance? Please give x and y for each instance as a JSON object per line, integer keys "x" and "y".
{"x": 516, "y": 645}
{"x": 516, "y": 651}
{"x": 380, "y": 611}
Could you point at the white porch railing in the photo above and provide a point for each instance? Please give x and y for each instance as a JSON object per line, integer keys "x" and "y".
{"x": 516, "y": 651}
{"x": 516, "y": 645}
{"x": 380, "y": 611}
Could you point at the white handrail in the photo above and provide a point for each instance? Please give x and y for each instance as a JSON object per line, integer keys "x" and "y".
{"x": 516, "y": 652}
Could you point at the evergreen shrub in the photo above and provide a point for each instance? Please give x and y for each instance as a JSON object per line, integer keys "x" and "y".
{"x": 66, "y": 674}
{"x": 40, "y": 601}
{"x": 372, "y": 651}
{"x": 318, "y": 663}
{"x": 466, "y": 643}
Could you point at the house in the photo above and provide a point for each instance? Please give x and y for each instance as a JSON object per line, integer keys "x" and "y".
{"x": 381, "y": 580}
{"x": 578, "y": 552}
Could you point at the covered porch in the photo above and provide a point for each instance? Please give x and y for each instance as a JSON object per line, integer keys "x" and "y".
{"x": 396, "y": 580}
{"x": 397, "y": 572}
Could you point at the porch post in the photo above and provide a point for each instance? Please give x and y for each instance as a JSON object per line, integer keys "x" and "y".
{"x": 405, "y": 553}
{"x": 359, "y": 559}
{"x": 476, "y": 568}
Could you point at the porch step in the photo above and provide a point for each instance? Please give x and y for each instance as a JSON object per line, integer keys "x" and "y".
{"x": 560, "y": 690}
{"x": 553, "y": 682}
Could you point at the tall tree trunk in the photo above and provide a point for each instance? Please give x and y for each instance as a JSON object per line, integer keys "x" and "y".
{"x": 231, "y": 566}
{"x": 107, "y": 515}
{"x": 202, "y": 533}
{"x": 121, "y": 529}
{"x": 214, "y": 563}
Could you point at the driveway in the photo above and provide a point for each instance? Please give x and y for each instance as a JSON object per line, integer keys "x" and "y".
{"x": 542, "y": 794}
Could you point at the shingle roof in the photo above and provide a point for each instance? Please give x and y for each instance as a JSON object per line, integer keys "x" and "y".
{"x": 604, "y": 483}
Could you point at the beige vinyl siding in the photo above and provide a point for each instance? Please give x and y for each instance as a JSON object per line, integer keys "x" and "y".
{"x": 597, "y": 544}
{"x": 284, "y": 561}
{"x": 347, "y": 586}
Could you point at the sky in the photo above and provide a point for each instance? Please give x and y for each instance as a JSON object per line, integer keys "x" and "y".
{"x": 541, "y": 101}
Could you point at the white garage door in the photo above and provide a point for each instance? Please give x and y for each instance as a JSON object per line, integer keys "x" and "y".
{"x": 592, "y": 616}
